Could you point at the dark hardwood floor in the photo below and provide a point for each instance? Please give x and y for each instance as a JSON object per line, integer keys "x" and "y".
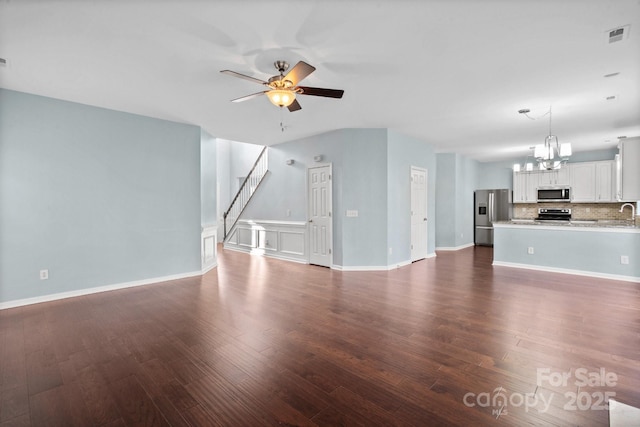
{"x": 256, "y": 341}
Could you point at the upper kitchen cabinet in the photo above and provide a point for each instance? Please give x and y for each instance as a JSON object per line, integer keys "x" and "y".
{"x": 525, "y": 186}
{"x": 592, "y": 182}
{"x": 605, "y": 191}
{"x": 583, "y": 182}
{"x": 556, "y": 177}
{"x": 628, "y": 170}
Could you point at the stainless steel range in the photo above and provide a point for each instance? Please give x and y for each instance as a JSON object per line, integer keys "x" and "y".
{"x": 552, "y": 214}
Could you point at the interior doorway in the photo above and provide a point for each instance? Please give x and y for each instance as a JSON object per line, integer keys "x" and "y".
{"x": 320, "y": 221}
{"x": 418, "y": 213}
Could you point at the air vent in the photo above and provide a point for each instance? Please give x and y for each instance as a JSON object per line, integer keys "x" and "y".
{"x": 617, "y": 34}
{"x": 3, "y": 62}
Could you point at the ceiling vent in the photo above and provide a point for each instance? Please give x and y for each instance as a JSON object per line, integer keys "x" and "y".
{"x": 3, "y": 62}
{"x": 617, "y": 34}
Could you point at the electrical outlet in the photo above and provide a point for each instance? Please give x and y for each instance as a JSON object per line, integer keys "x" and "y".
{"x": 530, "y": 250}
{"x": 624, "y": 259}
{"x": 390, "y": 251}
{"x": 288, "y": 212}
{"x": 44, "y": 274}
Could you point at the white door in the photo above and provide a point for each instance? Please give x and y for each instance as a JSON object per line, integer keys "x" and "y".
{"x": 320, "y": 223}
{"x": 418, "y": 213}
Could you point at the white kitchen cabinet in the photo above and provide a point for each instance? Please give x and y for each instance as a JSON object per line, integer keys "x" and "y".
{"x": 605, "y": 181}
{"x": 583, "y": 182}
{"x": 556, "y": 177}
{"x": 628, "y": 175}
{"x": 525, "y": 187}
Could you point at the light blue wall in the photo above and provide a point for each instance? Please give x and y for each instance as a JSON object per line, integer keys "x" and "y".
{"x": 590, "y": 251}
{"x": 371, "y": 172}
{"x": 492, "y": 175}
{"x": 466, "y": 182}
{"x": 457, "y": 180}
{"x": 242, "y": 157}
{"x": 208, "y": 180}
{"x": 223, "y": 170}
{"x": 446, "y": 200}
{"x": 593, "y": 156}
{"x": 358, "y": 158}
{"x": 402, "y": 153}
{"x": 97, "y": 197}
{"x": 364, "y": 188}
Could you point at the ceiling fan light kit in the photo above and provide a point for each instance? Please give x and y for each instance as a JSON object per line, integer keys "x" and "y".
{"x": 284, "y": 88}
{"x": 281, "y": 97}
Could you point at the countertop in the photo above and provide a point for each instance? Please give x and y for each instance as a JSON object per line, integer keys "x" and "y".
{"x": 600, "y": 225}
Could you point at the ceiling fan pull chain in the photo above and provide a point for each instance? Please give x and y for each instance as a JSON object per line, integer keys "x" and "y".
{"x": 281, "y": 119}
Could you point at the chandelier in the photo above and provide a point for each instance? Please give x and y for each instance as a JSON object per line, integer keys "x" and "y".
{"x": 551, "y": 154}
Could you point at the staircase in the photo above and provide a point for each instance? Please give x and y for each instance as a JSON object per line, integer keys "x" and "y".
{"x": 246, "y": 191}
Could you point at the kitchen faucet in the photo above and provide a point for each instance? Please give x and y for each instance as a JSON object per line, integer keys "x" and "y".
{"x": 633, "y": 210}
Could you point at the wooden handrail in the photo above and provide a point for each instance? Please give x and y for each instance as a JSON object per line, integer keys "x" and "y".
{"x": 240, "y": 191}
{"x": 244, "y": 182}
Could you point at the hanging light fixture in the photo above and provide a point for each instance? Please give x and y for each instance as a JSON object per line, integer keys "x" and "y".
{"x": 281, "y": 97}
{"x": 527, "y": 165}
{"x": 551, "y": 154}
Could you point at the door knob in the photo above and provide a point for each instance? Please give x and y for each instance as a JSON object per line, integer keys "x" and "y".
{"x": 310, "y": 220}
{"x": 424, "y": 219}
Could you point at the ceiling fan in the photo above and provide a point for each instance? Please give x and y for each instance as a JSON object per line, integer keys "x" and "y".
{"x": 284, "y": 88}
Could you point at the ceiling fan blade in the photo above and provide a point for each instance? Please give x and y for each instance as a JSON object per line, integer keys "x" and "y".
{"x": 243, "y": 76}
{"x": 246, "y": 98}
{"x": 318, "y": 91}
{"x": 299, "y": 72}
{"x": 295, "y": 106}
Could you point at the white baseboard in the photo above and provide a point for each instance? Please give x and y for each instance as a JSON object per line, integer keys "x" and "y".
{"x": 208, "y": 268}
{"x": 568, "y": 271}
{"x": 89, "y": 291}
{"x": 264, "y": 253}
{"x": 455, "y": 248}
{"x": 370, "y": 267}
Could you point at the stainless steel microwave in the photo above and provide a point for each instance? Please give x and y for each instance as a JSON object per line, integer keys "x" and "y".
{"x": 554, "y": 194}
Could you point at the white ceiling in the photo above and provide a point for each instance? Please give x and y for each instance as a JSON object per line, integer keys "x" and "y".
{"x": 452, "y": 73}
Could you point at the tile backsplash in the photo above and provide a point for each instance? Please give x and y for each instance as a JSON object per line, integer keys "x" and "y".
{"x": 578, "y": 210}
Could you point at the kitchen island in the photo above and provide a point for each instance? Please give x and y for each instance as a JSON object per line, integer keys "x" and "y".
{"x": 608, "y": 249}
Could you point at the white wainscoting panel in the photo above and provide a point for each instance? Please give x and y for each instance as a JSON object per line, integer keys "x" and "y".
{"x": 277, "y": 239}
{"x": 208, "y": 249}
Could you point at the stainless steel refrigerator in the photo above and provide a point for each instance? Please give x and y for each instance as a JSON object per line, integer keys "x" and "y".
{"x": 490, "y": 206}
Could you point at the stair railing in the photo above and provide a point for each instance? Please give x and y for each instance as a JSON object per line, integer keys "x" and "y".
{"x": 246, "y": 191}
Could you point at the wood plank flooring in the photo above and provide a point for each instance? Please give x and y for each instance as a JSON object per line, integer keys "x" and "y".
{"x": 263, "y": 342}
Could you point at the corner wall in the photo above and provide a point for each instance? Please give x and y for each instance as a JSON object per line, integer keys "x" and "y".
{"x": 95, "y": 196}
{"x": 457, "y": 180}
{"x": 404, "y": 152}
{"x": 371, "y": 174}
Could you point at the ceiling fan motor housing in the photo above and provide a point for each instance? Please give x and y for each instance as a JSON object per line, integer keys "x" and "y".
{"x": 281, "y": 66}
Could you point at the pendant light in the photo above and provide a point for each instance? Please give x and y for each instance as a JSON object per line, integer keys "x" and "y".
{"x": 551, "y": 154}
